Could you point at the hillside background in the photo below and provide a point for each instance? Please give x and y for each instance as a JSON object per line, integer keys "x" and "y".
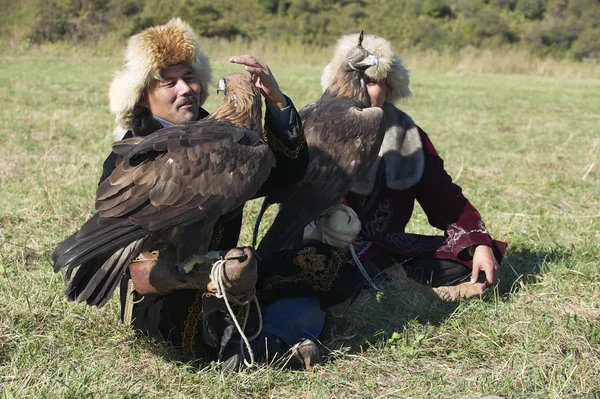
{"x": 556, "y": 28}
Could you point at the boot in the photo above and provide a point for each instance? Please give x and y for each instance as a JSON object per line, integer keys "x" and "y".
{"x": 269, "y": 348}
{"x": 462, "y": 291}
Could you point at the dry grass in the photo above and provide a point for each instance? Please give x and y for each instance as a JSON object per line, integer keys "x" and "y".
{"x": 465, "y": 61}
{"x": 525, "y": 149}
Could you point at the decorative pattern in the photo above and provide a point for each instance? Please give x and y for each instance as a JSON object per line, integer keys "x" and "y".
{"x": 361, "y": 245}
{"x": 277, "y": 144}
{"x": 188, "y": 336}
{"x": 190, "y": 329}
{"x": 455, "y": 233}
{"x": 217, "y": 236}
{"x": 316, "y": 270}
{"x": 381, "y": 219}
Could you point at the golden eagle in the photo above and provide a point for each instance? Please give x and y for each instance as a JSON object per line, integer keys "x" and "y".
{"x": 168, "y": 192}
{"x": 343, "y": 134}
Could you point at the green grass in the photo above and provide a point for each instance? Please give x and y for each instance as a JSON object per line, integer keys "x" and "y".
{"x": 525, "y": 149}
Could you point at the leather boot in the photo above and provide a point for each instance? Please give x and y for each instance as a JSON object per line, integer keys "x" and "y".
{"x": 462, "y": 291}
{"x": 269, "y": 348}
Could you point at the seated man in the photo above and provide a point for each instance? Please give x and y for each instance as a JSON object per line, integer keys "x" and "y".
{"x": 165, "y": 80}
{"x": 409, "y": 169}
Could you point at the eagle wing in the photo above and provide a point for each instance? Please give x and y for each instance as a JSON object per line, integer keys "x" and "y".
{"x": 343, "y": 140}
{"x": 179, "y": 176}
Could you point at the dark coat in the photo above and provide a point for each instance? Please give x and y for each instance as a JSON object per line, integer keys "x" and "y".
{"x": 385, "y": 213}
{"x": 190, "y": 319}
{"x": 291, "y": 157}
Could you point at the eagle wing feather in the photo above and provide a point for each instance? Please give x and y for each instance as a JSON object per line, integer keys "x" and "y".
{"x": 169, "y": 187}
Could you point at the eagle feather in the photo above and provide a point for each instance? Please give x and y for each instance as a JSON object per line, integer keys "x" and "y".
{"x": 168, "y": 191}
{"x": 343, "y": 134}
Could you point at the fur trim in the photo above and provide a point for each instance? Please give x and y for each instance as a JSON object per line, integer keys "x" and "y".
{"x": 402, "y": 150}
{"x": 390, "y": 67}
{"x": 146, "y": 55}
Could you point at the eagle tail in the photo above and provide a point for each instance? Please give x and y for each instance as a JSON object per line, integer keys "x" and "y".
{"x": 96, "y": 237}
{"x": 287, "y": 228}
{"x": 96, "y": 280}
{"x": 100, "y": 251}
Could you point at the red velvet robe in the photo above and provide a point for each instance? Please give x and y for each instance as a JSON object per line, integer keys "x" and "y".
{"x": 385, "y": 213}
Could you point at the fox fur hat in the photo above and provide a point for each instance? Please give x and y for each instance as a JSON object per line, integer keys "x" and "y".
{"x": 146, "y": 55}
{"x": 390, "y": 67}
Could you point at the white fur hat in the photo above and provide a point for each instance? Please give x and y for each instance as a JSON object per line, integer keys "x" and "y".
{"x": 146, "y": 55}
{"x": 390, "y": 67}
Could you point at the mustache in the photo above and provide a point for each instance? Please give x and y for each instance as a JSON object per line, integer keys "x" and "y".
{"x": 187, "y": 100}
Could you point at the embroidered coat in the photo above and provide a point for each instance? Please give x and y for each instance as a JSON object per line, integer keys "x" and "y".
{"x": 193, "y": 319}
{"x": 409, "y": 169}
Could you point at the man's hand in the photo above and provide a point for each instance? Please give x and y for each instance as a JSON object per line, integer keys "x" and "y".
{"x": 263, "y": 79}
{"x": 484, "y": 260}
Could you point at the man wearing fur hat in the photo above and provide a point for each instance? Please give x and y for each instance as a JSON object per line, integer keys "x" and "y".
{"x": 409, "y": 169}
{"x": 164, "y": 81}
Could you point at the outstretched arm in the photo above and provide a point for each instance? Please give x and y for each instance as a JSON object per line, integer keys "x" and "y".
{"x": 263, "y": 79}
{"x": 283, "y": 128}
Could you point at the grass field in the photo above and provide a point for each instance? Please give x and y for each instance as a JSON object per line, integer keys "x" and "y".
{"x": 525, "y": 149}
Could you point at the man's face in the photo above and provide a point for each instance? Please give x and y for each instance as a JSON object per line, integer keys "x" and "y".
{"x": 377, "y": 91}
{"x": 175, "y": 97}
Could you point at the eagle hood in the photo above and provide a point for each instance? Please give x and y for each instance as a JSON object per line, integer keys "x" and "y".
{"x": 402, "y": 148}
{"x": 390, "y": 66}
{"x": 147, "y": 53}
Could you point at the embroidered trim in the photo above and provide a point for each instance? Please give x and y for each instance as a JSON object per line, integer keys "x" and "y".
{"x": 455, "y": 233}
{"x": 314, "y": 271}
{"x": 381, "y": 219}
{"x": 191, "y": 323}
{"x": 217, "y": 236}
{"x": 277, "y": 144}
{"x": 415, "y": 243}
{"x": 361, "y": 246}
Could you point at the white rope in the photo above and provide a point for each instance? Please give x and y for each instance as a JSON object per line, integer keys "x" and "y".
{"x": 217, "y": 275}
{"x": 362, "y": 269}
{"x": 320, "y": 230}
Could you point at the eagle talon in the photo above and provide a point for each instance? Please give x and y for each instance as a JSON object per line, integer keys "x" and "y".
{"x": 208, "y": 258}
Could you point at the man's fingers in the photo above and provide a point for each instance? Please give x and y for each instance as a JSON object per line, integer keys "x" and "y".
{"x": 495, "y": 271}
{"x": 484, "y": 261}
{"x": 254, "y": 70}
{"x": 262, "y": 77}
{"x": 491, "y": 272}
{"x": 475, "y": 273}
{"x": 489, "y": 276}
{"x": 245, "y": 59}
{"x": 252, "y": 64}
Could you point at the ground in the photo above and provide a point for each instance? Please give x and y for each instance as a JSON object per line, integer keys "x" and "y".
{"x": 525, "y": 148}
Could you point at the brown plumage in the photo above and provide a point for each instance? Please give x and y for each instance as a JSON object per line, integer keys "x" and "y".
{"x": 344, "y": 134}
{"x": 168, "y": 192}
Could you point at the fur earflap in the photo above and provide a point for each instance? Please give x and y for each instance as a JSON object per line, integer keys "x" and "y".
{"x": 147, "y": 53}
{"x": 390, "y": 67}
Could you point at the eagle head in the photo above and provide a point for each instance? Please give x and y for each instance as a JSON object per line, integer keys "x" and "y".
{"x": 349, "y": 80}
{"x": 242, "y": 103}
{"x": 359, "y": 59}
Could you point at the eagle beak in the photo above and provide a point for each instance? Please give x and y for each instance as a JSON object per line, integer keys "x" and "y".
{"x": 221, "y": 86}
{"x": 367, "y": 62}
